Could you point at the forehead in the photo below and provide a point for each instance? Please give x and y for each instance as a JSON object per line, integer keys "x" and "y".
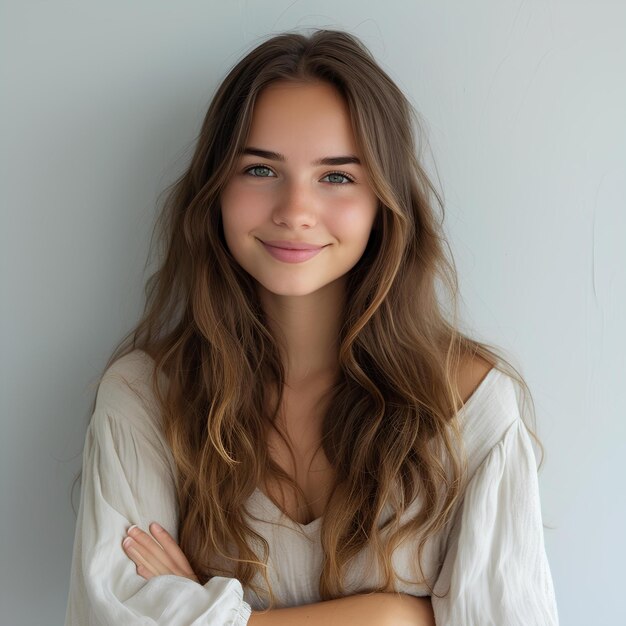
{"x": 301, "y": 117}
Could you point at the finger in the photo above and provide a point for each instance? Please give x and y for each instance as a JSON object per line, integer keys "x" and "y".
{"x": 152, "y": 553}
{"x": 144, "y": 568}
{"x": 171, "y": 547}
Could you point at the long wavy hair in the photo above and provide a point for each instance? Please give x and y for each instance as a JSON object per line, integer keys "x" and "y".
{"x": 388, "y": 427}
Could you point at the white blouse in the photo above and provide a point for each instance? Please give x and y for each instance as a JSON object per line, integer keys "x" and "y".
{"x": 491, "y": 556}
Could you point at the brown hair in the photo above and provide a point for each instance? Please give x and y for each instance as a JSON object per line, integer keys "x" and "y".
{"x": 388, "y": 429}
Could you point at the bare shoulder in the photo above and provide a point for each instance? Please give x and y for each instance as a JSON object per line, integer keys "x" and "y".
{"x": 472, "y": 372}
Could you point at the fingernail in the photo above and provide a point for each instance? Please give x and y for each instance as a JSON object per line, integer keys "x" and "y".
{"x": 130, "y": 529}
{"x": 128, "y": 541}
{"x": 157, "y": 527}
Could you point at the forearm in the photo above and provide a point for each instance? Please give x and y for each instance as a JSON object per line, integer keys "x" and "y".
{"x": 376, "y": 609}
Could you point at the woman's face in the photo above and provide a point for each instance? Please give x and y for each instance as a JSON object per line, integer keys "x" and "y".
{"x": 284, "y": 194}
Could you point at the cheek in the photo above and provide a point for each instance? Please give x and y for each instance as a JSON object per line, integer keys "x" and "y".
{"x": 355, "y": 218}
{"x": 239, "y": 210}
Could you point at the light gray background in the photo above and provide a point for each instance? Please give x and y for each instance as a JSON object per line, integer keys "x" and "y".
{"x": 524, "y": 104}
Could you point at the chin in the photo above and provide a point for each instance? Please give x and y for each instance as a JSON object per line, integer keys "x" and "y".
{"x": 288, "y": 290}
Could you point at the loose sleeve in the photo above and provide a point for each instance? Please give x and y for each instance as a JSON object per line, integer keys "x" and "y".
{"x": 126, "y": 480}
{"x": 495, "y": 563}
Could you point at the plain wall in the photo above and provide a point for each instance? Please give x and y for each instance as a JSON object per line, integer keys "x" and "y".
{"x": 524, "y": 104}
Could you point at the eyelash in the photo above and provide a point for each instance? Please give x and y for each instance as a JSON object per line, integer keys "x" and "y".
{"x": 251, "y": 167}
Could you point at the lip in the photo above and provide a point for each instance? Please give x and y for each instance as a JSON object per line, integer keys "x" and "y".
{"x": 290, "y": 255}
{"x": 292, "y": 245}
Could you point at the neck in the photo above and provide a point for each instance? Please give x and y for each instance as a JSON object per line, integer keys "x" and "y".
{"x": 307, "y": 328}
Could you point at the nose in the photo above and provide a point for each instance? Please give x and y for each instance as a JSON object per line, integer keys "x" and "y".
{"x": 296, "y": 205}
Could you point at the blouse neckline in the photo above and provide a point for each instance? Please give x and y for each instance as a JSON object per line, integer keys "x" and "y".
{"x": 313, "y": 526}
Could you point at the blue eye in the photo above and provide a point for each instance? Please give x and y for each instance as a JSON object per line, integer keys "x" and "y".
{"x": 341, "y": 175}
{"x": 258, "y": 167}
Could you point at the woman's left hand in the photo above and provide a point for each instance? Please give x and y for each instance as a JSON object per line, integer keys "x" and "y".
{"x": 158, "y": 555}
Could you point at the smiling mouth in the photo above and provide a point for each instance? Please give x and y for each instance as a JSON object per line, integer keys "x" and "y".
{"x": 290, "y": 255}
{"x": 293, "y": 245}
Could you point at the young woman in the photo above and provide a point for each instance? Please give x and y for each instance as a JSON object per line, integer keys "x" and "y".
{"x": 318, "y": 441}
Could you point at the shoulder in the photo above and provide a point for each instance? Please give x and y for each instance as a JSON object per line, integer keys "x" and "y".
{"x": 126, "y": 426}
{"x": 487, "y": 392}
{"x": 126, "y": 392}
{"x": 471, "y": 373}
{"x": 490, "y": 407}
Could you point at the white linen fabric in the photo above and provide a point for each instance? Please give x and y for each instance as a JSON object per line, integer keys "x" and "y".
{"x": 490, "y": 558}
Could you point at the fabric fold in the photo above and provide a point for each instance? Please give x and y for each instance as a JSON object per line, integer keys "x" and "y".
{"x": 495, "y": 566}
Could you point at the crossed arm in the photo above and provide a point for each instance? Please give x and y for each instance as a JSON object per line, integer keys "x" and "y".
{"x": 158, "y": 554}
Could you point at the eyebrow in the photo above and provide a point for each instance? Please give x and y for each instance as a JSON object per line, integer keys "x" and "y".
{"x": 276, "y": 156}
